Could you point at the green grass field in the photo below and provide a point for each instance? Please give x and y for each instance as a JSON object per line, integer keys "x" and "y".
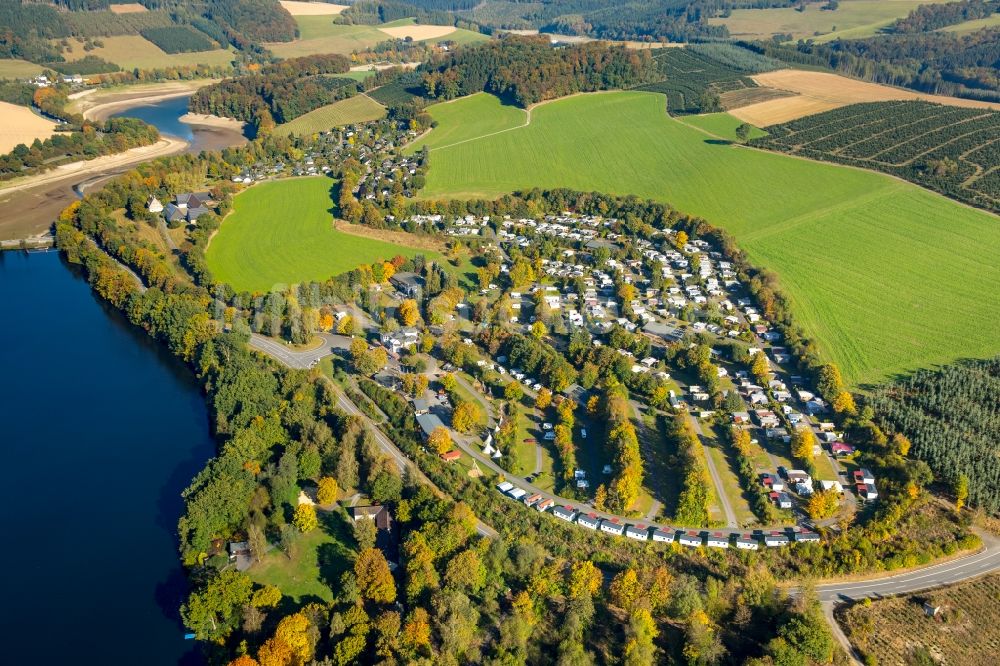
{"x": 357, "y": 109}
{"x": 971, "y": 26}
{"x": 470, "y": 118}
{"x": 721, "y": 124}
{"x": 281, "y": 232}
{"x": 321, "y": 556}
{"x": 131, "y": 51}
{"x": 18, "y": 69}
{"x": 853, "y": 19}
{"x": 886, "y": 276}
{"x": 319, "y": 34}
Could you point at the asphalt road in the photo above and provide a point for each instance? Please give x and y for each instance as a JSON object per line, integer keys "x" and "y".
{"x": 946, "y": 573}
{"x": 301, "y": 360}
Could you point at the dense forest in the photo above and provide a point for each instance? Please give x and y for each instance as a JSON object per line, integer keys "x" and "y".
{"x": 527, "y": 70}
{"x": 952, "y": 417}
{"x": 279, "y": 92}
{"x": 948, "y": 149}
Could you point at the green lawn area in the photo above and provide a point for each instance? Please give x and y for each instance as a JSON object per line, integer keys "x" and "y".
{"x": 320, "y": 557}
{"x": 971, "y": 26}
{"x": 721, "y": 124}
{"x": 281, "y": 232}
{"x": 357, "y": 109}
{"x": 469, "y": 118}
{"x": 852, "y": 19}
{"x": 884, "y": 275}
{"x": 18, "y": 69}
{"x": 824, "y": 468}
{"x": 716, "y": 448}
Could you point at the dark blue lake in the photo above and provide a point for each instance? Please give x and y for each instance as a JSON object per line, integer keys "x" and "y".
{"x": 164, "y": 115}
{"x": 102, "y": 429}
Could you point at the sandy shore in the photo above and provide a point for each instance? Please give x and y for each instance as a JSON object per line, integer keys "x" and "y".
{"x": 103, "y": 103}
{"x": 164, "y": 146}
{"x": 206, "y": 120}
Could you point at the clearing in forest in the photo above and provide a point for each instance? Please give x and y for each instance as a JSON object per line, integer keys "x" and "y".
{"x": 18, "y": 124}
{"x": 884, "y": 275}
{"x": 296, "y": 8}
{"x": 418, "y": 32}
{"x": 128, "y": 8}
{"x": 281, "y": 232}
{"x": 821, "y": 91}
{"x": 357, "y": 109}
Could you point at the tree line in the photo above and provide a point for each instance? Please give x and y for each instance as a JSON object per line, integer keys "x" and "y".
{"x": 279, "y": 92}
{"x": 528, "y": 69}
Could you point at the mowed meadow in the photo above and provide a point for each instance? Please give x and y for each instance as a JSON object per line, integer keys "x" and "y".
{"x": 884, "y": 275}
{"x": 281, "y": 232}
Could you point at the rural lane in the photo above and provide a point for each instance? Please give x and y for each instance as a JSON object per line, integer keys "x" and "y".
{"x": 970, "y": 566}
{"x": 720, "y": 490}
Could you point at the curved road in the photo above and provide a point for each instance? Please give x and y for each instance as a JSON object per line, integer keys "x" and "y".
{"x": 969, "y": 566}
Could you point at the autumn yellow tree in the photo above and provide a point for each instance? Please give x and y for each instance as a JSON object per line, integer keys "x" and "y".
{"x": 268, "y": 596}
{"x": 539, "y": 330}
{"x": 901, "y": 444}
{"x": 325, "y": 322}
{"x": 244, "y": 660}
{"x": 760, "y": 367}
{"x": 417, "y": 630}
{"x": 275, "y": 652}
{"x": 466, "y": 416}
{"x": 327, "y": 491}
{"x": 822, "y": 504}
{"x": 373, "y": 577}
{"x": 843, "y": 403}
{"x": 305, "y": 518}
{"x": 584, "y": 579}
{"x": 440, "y": 440}
{"x": 346, "y": 325}
{"x": 803, "y": 443}
{"x": 625, "y": 589}
{"x": 543, "y": 399}
{"x": 408, "y": 312}
{"x": 681, "y": 239}
{"x": 293, "y": 630}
